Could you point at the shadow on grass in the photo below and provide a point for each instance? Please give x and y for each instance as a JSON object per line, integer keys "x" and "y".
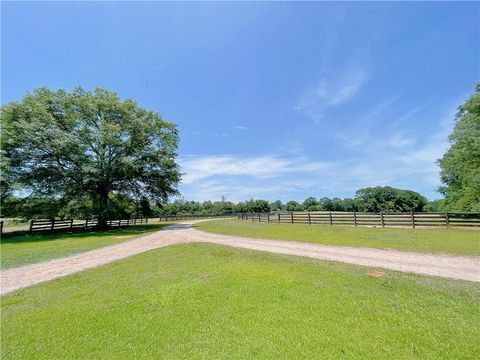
{"x": 126, "y": 231}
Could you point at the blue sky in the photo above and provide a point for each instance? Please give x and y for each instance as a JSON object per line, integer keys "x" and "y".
{"x": 273, "y": 100}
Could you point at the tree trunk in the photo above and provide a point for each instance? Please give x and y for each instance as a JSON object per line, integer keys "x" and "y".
{"x": 103, "y": 211}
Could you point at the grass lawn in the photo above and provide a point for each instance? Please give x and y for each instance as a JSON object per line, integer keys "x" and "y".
{"x": 27, "y": 249}
{"x": 202, "y": 301}
{"x": 461, "y": 242}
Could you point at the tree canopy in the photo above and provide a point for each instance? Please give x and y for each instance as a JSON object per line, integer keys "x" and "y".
{"x": 91, "y": 150}
{"x": 460, "y": 166}
{"x": 386, "y": 198}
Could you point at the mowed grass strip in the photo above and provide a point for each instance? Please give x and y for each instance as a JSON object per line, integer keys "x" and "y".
{"x": 28, "y": 249}
{"x": 201, "y": 301}
{"x": 448, "y": 241}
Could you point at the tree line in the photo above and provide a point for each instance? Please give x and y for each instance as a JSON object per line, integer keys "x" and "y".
{"x": 371, "y": 199}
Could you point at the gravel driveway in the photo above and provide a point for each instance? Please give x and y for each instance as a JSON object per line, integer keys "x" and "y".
{"x": 449, "y": 266}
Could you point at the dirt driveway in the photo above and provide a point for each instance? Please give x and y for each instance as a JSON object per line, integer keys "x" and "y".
{"x": 455, "y": 267}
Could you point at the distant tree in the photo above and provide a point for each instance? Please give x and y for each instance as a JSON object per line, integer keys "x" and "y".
{"x": 435, "y": 205}
{"x": 326, "y": 204}
{"x": 30, "y": 207}
{"x": 460, "y": 166}
{"x": 251, "y": 206}
{"x": 257, "y": 206}
{"x": 293, "y": 206}
{"x": 386, "y": 198}
{"x": 223, "y": 207}
{"x": 277, "y": 206}
{"x": 310, "y": 204}
{"x": 351, "y": 205}
{"x": 86, "y": 146}
{"x": 338, "y": 204}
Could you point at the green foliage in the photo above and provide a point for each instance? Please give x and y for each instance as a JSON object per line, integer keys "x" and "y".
{"x": 435, "y": 206}
{"x": 182, "y": 207}
{"x": 310, "y": 204}
{"x": 461, "y": 163}
{"x": 293, "y": 206}
{"x": 89, "y": 149}
{"x": 30, "y": 207}
{"x": 277, "y": 206}
{"x": 386, "y": 198}
{"x": 254, "y": 206}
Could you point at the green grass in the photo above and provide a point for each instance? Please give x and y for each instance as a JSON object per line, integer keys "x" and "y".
{"x": 27, "y": 249}
{"x": 201, "y": 301}
{"x": 461, "y": 242}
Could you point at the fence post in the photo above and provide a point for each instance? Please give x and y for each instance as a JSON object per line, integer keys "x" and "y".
{"x": 382, "y": 219}
{"x": 331, "y": 219}
{"x": 354, "y": 218}
{"x": 268, "y": 217}
{"x": 31, "y": 225}
{"x": 309, "y": 220}
{"x": 252, "y": 217}
{"x": 71, "y": 223}
{"x": 447, "y": 220}
{"x": 259, "y": 217}
{"x": 53, "y": 224}
{"x": 412, "y": 215}
{"x": 1, "y": 227}
{"x": 278, "y": 217}
{"x": 291, "y": 216}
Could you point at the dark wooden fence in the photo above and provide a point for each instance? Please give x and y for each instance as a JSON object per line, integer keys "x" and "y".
{"x": 37, "y": 225}
{"x": 70, "y": 224}
{"x": 382, "y": 219}
{"x": 190, "y": 217}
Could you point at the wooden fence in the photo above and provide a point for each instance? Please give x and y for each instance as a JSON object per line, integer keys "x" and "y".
{"x": 382, "y": 219}
{"x": 190, "y": 217}
{"x": 70, "y": 224}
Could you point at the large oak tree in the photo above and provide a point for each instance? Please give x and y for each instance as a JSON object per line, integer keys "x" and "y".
{"x": 88, "y": 148}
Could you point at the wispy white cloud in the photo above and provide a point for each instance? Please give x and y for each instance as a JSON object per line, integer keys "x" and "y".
{"x": 197, "y": 168}
{"x": 330, "y": 91}
{"x": 222, "y": 135}
{"x": 400, "y": 141}
{"x": 157, "y": 66}
{"x": 240, "y": 127}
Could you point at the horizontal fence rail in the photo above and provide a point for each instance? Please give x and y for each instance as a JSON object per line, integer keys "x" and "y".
{"x": 381, "y": 219}
{"x": 190, "y": 217}
{"x": 71, "y": 224}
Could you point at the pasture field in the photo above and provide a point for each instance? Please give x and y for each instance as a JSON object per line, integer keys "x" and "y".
{"x": 27, "y": 249}
{"x": 448, "y": 241}
{"x": 203, "y": 301}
